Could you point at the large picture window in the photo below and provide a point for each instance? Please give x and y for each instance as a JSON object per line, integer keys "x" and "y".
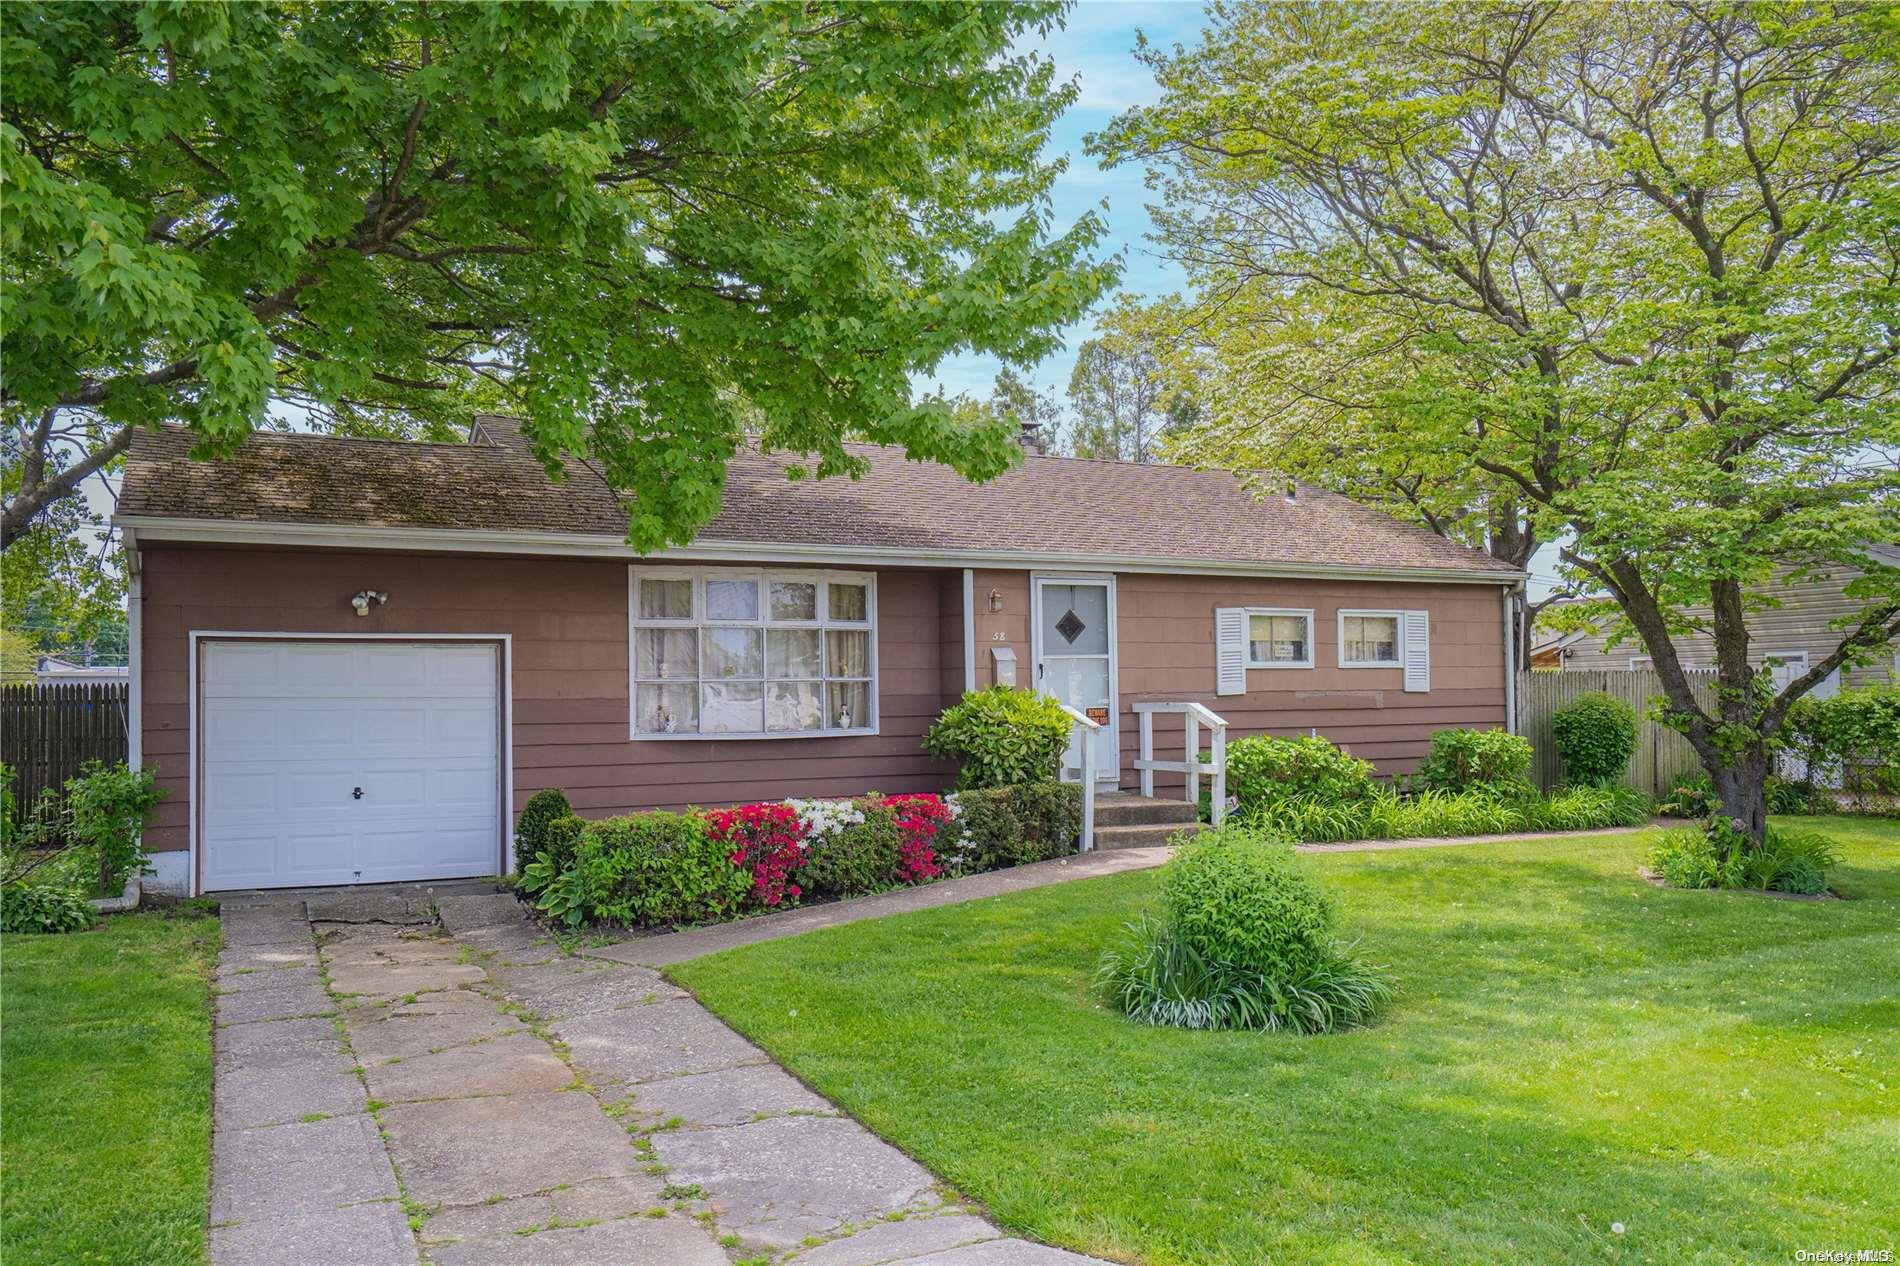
{"x": 719, "y": 653}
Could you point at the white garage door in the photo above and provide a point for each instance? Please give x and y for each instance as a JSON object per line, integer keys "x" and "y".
{"x": 348, "y": 762}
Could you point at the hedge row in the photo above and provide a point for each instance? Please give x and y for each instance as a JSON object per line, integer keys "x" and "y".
{"x": 660, "y": 869}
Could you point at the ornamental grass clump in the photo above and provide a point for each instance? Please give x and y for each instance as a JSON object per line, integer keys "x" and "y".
{"x": 1718, "y": 855}
{"x": 1244, "y": 938}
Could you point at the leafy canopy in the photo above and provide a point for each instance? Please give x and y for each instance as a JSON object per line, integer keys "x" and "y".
{"x": 1616, "y": 275}
{"x": 648, "y": 228}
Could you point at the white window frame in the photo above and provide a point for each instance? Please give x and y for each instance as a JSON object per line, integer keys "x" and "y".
{"x": 1398, "y": 638}
{"x": 1305, "y": 613}
{"x": 763, "y": 577}
{"x": 1644, "y": 663}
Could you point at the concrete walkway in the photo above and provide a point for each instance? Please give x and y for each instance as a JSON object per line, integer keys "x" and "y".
{"x": 676, "y": 947}
{"x": 389, "y": 1091}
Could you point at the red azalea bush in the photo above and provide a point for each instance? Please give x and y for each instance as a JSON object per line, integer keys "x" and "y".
{"x": 769, "y": 841}
{"x": 919, "y": 818}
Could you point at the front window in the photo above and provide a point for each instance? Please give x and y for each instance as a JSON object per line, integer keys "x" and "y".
{"x": 1369, "y": 639}
{"x": 727, "y": 654}
{"x": 1279, "y": 639}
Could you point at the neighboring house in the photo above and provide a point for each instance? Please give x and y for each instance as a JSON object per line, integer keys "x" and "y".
{"x": 352, "y": 660}
{"x": 1789, "y": 637}
{"x": 49, "y": 668}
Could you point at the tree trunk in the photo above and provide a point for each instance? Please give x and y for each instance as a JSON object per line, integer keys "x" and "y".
{"x": 1741, "y": 791}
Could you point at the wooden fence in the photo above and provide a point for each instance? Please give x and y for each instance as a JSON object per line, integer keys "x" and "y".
{"x": 47, "y": 731}
{"x": 1661, "y": 753}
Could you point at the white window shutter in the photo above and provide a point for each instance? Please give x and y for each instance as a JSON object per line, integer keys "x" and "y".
{"x": 1230, "y": 650}
{"x": 1418, "y": 650}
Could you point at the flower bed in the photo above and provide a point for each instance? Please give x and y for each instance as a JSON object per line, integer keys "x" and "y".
{"x": 659, "y": 869}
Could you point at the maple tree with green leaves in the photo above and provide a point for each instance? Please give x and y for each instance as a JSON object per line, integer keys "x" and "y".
{"x": 650, "y": 230}
{"x": 1619, "y": 277}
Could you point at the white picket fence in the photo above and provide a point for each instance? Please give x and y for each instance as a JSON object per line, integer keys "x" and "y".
{"x": 1661, "y": 753}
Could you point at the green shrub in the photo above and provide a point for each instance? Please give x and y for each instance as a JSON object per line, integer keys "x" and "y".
{"x": 1596, "y": 736}
{"x": 1852, "y": 738}
{"x": 1486, "y": 811}
{"x": 1008, "y": 826}
{"x": 1244, "y": 939}
{"x": 1238, "y": 896}
{"x": 858, "y": 858}
{"x": 1588, "y": 808}
{"x": 106, "y": 809}
{"x": 44, "y": 907}
{"x": 1690, "y": 796}
{"x": 1462, "y": 760}
{"x": 651, "y": 869}
{"x": 1715, "y": 856}
{"x": 531, "y": 828}
{"x": 1263, "y": 771}
{"x": 1001, "y": 737}
{"x": 1796, "y": 799}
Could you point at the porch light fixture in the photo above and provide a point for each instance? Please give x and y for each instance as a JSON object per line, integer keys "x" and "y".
{"x": 996, "y": 600}
{"x": 360, "y": 603}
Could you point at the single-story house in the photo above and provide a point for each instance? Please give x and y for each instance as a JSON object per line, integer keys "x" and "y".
{"x": 1787, "y": 638}
{"x": 352, "y": 660}
{"x": 49, "y": 669}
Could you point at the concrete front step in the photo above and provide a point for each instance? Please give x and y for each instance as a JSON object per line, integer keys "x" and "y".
{"x": 1125, "y": 808}
{"x": 1148, "y": 835}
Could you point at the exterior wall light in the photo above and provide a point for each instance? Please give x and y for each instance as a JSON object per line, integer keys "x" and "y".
{"x": 360, "y": 603}
{"x": 996, "y": 600}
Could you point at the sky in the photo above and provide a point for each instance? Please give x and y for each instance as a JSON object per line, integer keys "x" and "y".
{"x": 1096, "y": 50}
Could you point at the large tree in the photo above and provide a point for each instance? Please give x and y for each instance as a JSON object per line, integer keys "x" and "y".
{"x": 1125, "y": 408}
{"x": 1621, "y": 276}
{"x": 650, "y": 229}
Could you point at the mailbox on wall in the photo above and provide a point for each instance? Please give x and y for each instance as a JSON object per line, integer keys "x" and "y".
{"x": 1005, "y": 665}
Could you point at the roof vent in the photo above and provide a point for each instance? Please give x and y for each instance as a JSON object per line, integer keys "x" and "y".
{"x": 1030, "y": 437}
{"x": 1292, "y": 493}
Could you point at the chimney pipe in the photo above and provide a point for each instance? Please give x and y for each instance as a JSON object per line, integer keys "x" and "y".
{"x": 1030, "y": 437}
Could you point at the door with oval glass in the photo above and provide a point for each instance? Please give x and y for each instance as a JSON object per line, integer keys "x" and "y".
{"x": 1073, "y": 621}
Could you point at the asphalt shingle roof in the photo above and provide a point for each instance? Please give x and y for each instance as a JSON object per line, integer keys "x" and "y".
{"x": 1047, "y": 505}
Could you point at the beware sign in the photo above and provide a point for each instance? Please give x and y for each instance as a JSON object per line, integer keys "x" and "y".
{"x": 1097, "y": 715}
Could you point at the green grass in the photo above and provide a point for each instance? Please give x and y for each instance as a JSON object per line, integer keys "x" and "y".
{"x": 1571, "y": 1048}
{"x": 105, "y": 1092}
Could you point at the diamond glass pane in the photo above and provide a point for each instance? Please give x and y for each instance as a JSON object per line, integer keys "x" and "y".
{"x": 1075, "y": 619}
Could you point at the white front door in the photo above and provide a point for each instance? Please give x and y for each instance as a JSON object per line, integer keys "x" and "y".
{"x": 341, "y": 762}
{"x": 1074, "y": 650}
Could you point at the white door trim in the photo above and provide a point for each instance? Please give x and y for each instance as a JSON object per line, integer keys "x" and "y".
{"x": 1108, "y": 772}
{"x": 196, "y": 639}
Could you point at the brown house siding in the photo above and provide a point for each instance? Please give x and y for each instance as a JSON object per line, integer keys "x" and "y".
{"x": 568, "y": 623}
{"x": 567, "y": 620}
{"x": 1165, "y": 630}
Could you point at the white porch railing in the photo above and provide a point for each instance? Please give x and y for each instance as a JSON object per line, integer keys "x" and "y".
{"x": 1085, "y": 739}
{"x": 1195, "y": 716}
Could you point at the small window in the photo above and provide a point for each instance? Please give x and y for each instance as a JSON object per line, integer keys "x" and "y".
{"x": 1279, "y": 639}
{"x": 1368, "y": 639}
{"x": 725, "y": 653}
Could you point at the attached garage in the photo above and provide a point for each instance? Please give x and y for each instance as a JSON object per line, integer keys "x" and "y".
{"x": 348, "y": 760}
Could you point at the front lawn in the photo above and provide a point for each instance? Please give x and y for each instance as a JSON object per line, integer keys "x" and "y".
{"x": 1572, "y": 1049}
{"x": 105, "y": 1092}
